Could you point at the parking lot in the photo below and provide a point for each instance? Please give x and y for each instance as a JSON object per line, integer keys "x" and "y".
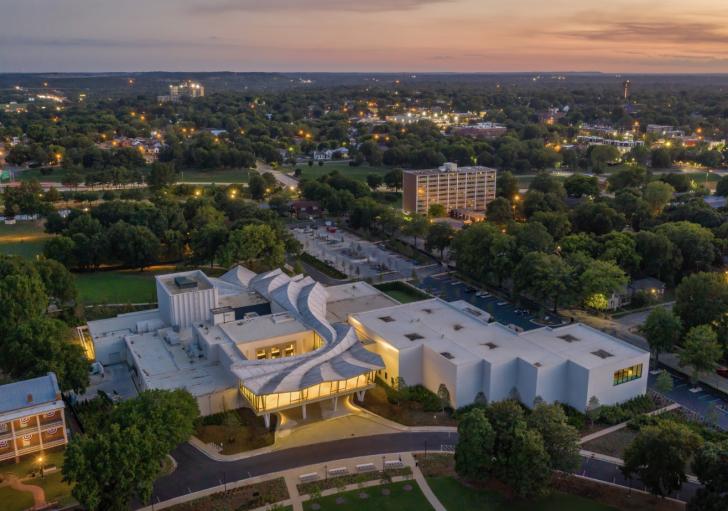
{"x": 353, "y": 255}
{"x": 449, "y": 288}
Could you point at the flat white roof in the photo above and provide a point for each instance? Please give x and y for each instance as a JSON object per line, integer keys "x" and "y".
{"x": 462, "y": 331}
{"x": 345, "y": 299}
{"x": 166, "y": 366}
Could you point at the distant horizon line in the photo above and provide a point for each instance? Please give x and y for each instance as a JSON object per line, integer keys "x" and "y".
{"x": 404, "y": 73}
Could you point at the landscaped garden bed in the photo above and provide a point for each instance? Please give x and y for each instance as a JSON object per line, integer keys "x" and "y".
{"x": 345, "y": 480}
{"x": 402, "y": 496}
{"x": 236, "y": 431}
{"x": 412, "y": 406}
{"x": 239, "y": 499}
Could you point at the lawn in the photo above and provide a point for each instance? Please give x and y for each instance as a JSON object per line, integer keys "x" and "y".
{"x": 402, "y": 292}
{"x": 14, "y": 500}
{"x": 456, "y": 496}
{"x": 121, "y": 286}
{"x": 55, "y": 489}
{"x": 359, "y": 173}
{"x": 56, "y": 175}
{"x": 397, "y": 499}
{"x": 215, "y": 176}
{"x": 24, "y": 239}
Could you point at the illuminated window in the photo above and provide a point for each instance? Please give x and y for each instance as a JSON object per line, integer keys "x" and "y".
{"x": 275, "y": 352}
{"x": 260, "y": 354}
{"x": 290, "y": 350}
{"x": 628, "y": 374}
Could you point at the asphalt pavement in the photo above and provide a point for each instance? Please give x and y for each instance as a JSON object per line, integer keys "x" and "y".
{"x": 195, "y": 471}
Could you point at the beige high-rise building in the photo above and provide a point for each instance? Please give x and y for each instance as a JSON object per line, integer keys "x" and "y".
{"x": 464, "y": 188}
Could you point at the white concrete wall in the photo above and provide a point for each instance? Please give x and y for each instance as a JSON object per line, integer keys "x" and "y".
{"x": 220, "y": 401}
{"x": 578, "y": 387}
{"x": 601, "y": 381}
{"x": 437, "y": 370}
{"x": 503, "y": 377}
{"x": 552, "y": 384}
{"x": 527, "y": 381}
{"x": 110, "y": 350}
{"x": 192, "y": 306}
{"x": 469, "y": 383}
{"x": 164, "y": 303}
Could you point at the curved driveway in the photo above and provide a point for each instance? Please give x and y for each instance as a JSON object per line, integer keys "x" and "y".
{"x": 195, "y": 471}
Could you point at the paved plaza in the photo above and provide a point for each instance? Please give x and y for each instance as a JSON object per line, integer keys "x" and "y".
{"x": 354, "y": 256}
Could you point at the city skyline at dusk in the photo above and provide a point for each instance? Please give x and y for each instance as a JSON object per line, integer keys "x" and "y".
{"x": 351, "y": 36}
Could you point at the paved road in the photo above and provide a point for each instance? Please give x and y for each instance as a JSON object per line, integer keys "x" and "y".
{"x": 196, "y": 471}
{"x": 705, "y": 403}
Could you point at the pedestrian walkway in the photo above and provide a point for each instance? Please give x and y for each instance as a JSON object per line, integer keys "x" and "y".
{"x": 422, "y": 483}
{"x": 621, "y": 425}
{"x": 39, "y": 499}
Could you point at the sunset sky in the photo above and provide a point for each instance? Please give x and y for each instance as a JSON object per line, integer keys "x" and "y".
{"x": 372, "y": 35}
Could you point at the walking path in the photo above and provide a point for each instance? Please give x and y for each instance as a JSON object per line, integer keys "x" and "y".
{"x": 422, "y": 482}
{"x": 621, "y": 425}
{"x": 39, "y": 500}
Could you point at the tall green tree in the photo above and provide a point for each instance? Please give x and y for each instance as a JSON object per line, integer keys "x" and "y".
{"x": 662, "y": 329}
{"x": 560, "y": 439}
{"x": 474, "y": 450}
{"x": 544, "y": 277}
{"x": 701, "y": 351}
{"x": 659, "y": 456}
{"x": 702, "y": 299}
{"x": 710, "y": 465}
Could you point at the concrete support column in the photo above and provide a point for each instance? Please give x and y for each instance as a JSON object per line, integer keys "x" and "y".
{"x": 15, "y": 441}
{"x": 336, "y": 402}
{"x": 360, "y": 395}
{"x": 40, "y": 433}
{"x": 303, "y": 410}
{"x": 266, "y": 419}
{"x": 63, "y": 418}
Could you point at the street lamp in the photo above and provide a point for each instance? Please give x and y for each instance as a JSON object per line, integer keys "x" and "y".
{"x": 40, "y": 466}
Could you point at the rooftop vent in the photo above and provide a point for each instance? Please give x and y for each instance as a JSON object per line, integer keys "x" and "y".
{"x": 185, "y": 283}
{"x": 473, "y": 311}
{"x": 30, "y": 398}
{"x": 490, "y": 345}
{"x": 537, "y": 364}
{"x": 447, "y": 355}
{"x": 387, "y": 319}
{"x": 569, "y": 338}
{"x": 413, "y": 336}
{"x": 602, "y": 354}
{"x": 427, "y": 311}
{"x": 457, "y": 326}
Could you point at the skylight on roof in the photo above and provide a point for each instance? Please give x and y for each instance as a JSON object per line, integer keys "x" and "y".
{"x": 602, "y": 354}
{"x": 457, "y": 326}
{"x": 447, "y": 355}
{"x": 569, "y": 338}
{"x": 490, "y": 345}
{"x": 387, "y": 319}
{"x": 413, "y": 336}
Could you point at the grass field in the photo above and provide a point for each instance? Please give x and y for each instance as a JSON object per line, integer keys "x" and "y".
{"x": 454, "y": 496}
{"x": 215, "y": 176}
{"x": 398, "y": 499}
{"x": 359, "y": 173}
{"x": 14, "y": 500}
{"x": 55, "y": 489}
{"x": 402, "y": 292}
{"x": 24, "y": 239}
{"x": 122, "y": 286}
{"x": 54, "y": 177}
